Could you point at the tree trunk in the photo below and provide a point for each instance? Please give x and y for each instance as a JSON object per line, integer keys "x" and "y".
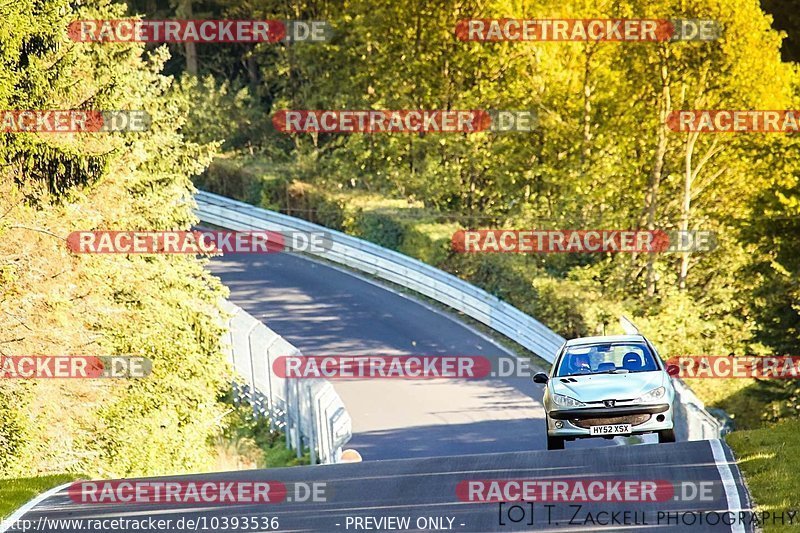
{"x": 651, "y": 197}
{"x": 686, "y": 205}
{"x": 253, "y": 74}
{"x": 691, "y": 172}
{"x": 586, "y": 149}
{"x": 190, "y": 48}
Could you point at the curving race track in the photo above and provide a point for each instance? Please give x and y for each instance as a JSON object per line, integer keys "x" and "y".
{"x": 323, "y": 310}
{"x": 421, "y": 439}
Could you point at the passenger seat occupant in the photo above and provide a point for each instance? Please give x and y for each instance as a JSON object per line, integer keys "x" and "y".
{"x": 631, "y": 361}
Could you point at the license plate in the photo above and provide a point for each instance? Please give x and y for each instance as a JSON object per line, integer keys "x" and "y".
{"x": 616, "y": 429}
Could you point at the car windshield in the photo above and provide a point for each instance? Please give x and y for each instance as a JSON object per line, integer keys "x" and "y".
{"x": 610, "y": 357}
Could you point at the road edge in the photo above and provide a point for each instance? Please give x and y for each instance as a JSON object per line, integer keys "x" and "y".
{"x": 6, "y": 524}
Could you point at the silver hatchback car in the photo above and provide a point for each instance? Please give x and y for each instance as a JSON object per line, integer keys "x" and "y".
{"x": 606, "y": 387}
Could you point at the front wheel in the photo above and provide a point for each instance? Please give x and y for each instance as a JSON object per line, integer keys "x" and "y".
{"x": 666, "y": 435}
{"x": 555, "y": 443}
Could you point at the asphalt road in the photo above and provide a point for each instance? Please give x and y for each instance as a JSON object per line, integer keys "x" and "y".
{"x": 433, "y": 437}
{"x": 425, "y": 492}
{"x": 325, "y": 311}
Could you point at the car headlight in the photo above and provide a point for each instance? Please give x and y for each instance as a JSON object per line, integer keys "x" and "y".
{"x": 566, "y": 401}
{"x": 655, "y": 394}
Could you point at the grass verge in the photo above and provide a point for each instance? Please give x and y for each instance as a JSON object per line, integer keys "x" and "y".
{"x": 15, "y": 492}
{"x": 770, "y": 459}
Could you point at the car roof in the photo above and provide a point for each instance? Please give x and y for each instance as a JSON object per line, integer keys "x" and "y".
{"x": 605, "y": 338}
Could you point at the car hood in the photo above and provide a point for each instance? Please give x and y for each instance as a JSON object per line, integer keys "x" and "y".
{"x": 598, "y": 387}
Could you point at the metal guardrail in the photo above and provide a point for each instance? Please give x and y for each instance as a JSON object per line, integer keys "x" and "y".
{"x": 693, "y": 423}
{"x": 308, "y": 411}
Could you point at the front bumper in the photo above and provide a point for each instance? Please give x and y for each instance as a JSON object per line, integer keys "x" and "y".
{"x": 643, "y": 419}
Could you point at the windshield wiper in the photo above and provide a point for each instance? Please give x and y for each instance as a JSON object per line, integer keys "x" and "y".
{"x": 615, "y": 371}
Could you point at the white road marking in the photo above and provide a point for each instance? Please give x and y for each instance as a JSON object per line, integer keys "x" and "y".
{"x": 728, "y": 483}
{"x": 6, "y": 524}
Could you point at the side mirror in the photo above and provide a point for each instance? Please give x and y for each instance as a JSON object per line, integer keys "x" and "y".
{"x": 673, "y": 370}
{"x": 540, "y": 377}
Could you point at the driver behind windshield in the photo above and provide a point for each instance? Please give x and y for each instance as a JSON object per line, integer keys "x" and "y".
{"x": 579, "y": 363}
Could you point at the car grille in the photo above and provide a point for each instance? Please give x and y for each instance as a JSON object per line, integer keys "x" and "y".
{"x": 633, "y": 420}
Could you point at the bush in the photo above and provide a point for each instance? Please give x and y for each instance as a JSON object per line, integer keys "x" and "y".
{"x": 15, "y": 428}
{"x": 220, "y": 113}
{"x": 229, "y": 178}
{"x": 428, "y": 241}
{"x": 380, "y": 228}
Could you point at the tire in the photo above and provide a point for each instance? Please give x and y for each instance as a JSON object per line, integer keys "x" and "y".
{"x": 555, "y": 443}
{"x": 666, "y": 435}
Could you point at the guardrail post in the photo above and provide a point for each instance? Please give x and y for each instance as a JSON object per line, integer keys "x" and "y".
{"x": 230, "y": 336}
{"x": 313, "y": 426}
{"x": 326, "y": 432}
{"x": 324, "y": 441}
{"x": 298, "y": 443}
{"x": 253, "y": 396}
{"x": 288, "y": 414}
{"x": 270, "y": 398}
